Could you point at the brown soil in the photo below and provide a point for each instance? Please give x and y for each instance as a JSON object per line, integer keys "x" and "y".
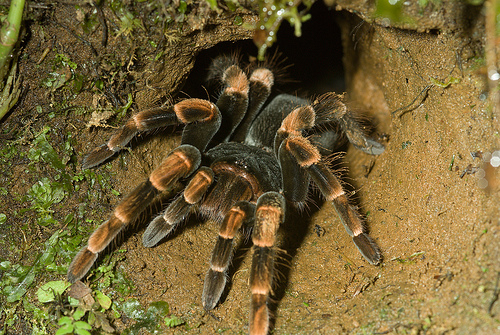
{"x": 438, "y": 231}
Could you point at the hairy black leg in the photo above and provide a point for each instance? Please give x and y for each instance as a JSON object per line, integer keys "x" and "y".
{"x": 177, "y": 211}
{"x": 261, "y": 83}
{"x": 295, "y": 188}
{"x": 263, "y": 129}
{"x": 241, "y": 214}
{"x": 201, "y": 118}
{"x": 269, "y": 215}
{"x": 180, "y": 163}
{"x": 297, "y": 152}
{"x": 233, "y": 101}
{"x": 229, "y": 189}
{"x": 329, "y": 108}
{"x": 294, "y": 178}
{"x": 309, "y": 158}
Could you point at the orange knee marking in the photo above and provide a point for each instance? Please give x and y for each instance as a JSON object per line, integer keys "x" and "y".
{"x": 104, "y": 234}
{"x": 264, "y": 76}
{"x": 232, "y": 223}
{"x": 236, "y": 80}
{"x": 267, "y": 220}
{"x": 304, "y": 152}
{"x": 198, "y": 186}
{"x": 176, "y": 165}
{"x": 300, "y": 118}
{"x": 205, "y": 110}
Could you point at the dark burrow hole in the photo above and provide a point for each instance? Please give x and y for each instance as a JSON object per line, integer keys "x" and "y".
{"x": 315, "y": 58}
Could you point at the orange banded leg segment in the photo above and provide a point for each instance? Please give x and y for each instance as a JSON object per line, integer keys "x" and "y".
{"x": 179, "y": 163}
{"x": 241, "y": 214}
{"x": 233, "y": 101}
{"x": 177, "y": 211}
{"x": 309, "y": 158}
{"x": 202, "y": 119}
{"x": 300, "y": 119}
{"x": 124, "y": 214}
{"x": 269, "y": 215}
{"x": 261, "y": 82}
{"x": 332, "y": 190}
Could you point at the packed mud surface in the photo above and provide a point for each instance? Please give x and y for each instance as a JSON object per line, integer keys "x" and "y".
{"x": 430, "y": 201}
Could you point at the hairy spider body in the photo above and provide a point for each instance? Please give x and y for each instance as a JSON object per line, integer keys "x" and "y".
{"x": 242, "y": 163}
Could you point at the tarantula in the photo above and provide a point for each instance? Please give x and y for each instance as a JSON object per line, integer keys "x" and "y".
{"x": 243, "y": 162}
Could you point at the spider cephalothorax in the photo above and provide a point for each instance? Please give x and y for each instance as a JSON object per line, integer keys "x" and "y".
{"x": 242, "y": 164}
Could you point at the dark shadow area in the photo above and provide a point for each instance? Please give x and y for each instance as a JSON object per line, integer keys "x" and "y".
{"x": 316, "y": 56}
{"x": 315, "y": 66}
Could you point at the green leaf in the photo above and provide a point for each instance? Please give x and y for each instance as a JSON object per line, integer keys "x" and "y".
{"x": 103, "y": 300}
{"x": 82, "y": 332}
{"x": 173, "y": 321}
{"x": 79, "y": 313}
{"x": 42, "y": 149}
{"x": 43, "y": 260}
{"x": 158, "y": 308}
{"x": 66, "y": 329}
{"x": 65, "y": 320}
{"x": 133, "y": 309}
{"x": 49, "y": 291}
{"x": 82, "y": 325}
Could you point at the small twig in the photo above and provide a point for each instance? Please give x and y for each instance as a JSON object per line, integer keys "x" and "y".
{"x": 84, "y": 41}
{"x": 407, "y": 108}
{"x": 496, "y": 293}
{"x": 102, "y": 21}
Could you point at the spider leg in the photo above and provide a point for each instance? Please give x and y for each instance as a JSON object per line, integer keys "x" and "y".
{"x": 295, "y": 189}
{"x": 308, "y": 157}
{"x": 329, "y": 108}
{"x": 180, "y": 163}
{"x": 201, "y": 117}
{"x": 177, "y": 211}
{"x": 269, "y": 215}
{"x": 241, "y": 214}
{"x": 233, "y": 100}
{"x": 261, "y": 82}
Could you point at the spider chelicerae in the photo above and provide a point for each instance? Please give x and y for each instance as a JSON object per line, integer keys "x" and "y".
{"x": 243, "y": 163}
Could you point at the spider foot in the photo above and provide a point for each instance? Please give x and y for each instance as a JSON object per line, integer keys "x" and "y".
{"x": 215, "y": 282}
{"x": 97, "y": 156}
{"x": 368, "y": 248}
{"x": 240, "y": 214}
{"x": 81, "y": 264}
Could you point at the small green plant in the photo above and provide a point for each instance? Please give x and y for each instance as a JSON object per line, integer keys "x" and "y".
{"x": 405, "y": 144}
{"x": 150, "y": 318}
{"x": 128, "y": 22}
{"x": 9, "y": 33}
{"x": 76, "y": 316}
{"x": 70, "y": 326}
{"x": 173, "y": 321}
{"x": 271, "y": 15}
